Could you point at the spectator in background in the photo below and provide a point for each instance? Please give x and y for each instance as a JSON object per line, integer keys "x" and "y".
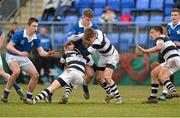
{"x": 14, "y": 28}
{"x": 63, "y": 7}
{"x": 43, "y": 63}
{"x": 108, "y": 17}
{"x": 49, "y": 8}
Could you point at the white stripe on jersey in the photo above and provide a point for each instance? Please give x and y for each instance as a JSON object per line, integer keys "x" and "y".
{"x": 101, "y": 44}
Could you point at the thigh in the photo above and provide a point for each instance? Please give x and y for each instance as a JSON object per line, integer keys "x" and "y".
{"x": 30, "y": 69}
{"x": 14, "y": 66}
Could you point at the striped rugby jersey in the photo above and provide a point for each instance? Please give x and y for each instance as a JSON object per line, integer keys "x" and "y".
{"x": 101, "y": 44}
{"x": 169, "y": 49}
{"x": 75, "y": 60}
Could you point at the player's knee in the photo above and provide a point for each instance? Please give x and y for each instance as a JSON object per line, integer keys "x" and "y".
{"x": 35, "y": 75}
{"x": 16, "y": 73}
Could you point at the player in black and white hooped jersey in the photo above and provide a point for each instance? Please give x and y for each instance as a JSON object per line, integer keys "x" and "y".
{"x": 96, "y": 41}
{"x": 73, "y": 75}
{"x": 161, "y": 73}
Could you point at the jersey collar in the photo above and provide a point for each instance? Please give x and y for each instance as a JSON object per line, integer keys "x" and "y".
{"x": 171, "y": 25}
{"x": 81, "y": 26}
{"x": 29, "y": 38}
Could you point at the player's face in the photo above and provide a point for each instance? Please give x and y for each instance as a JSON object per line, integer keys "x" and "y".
{"x": 33, "y": 27}
{"x": 15, "y": 27}
{"x": 154, "y": 34}
{"x": 86, "y": 21}
{"x": 175, "y": 17}
{"x": 70, "y": 46}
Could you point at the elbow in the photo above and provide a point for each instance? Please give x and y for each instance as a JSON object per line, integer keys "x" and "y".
{"x": 8, "y": 47}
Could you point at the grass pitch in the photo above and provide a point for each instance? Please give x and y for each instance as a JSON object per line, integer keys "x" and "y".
{"x": 77, "y": 106}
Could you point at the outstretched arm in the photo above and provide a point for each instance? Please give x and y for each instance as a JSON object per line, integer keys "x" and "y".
{"x": 43, "y": 53}
{"x": 151, "y": 50}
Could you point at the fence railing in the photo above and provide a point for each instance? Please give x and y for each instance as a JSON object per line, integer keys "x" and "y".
{"x": 125, "y": 37}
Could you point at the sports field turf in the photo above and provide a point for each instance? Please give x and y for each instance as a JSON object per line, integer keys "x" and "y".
{"x": 94, "y": 107}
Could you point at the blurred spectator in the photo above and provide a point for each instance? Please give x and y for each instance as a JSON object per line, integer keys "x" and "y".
{"x": 63, "y": 7}
{"x": 14, "y": 28}
{"x": 49, "y": 8}
{"x": 43, "y": 64}
{"x": 108, "y": 18}
{"x": 125, "y": 19}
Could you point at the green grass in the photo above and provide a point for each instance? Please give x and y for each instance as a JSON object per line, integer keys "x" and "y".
{"x": 94, "y": 107}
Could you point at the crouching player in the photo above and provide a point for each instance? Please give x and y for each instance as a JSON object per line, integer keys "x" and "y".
{"x": 72, "y": 76}
{"x": 161, "y": 73}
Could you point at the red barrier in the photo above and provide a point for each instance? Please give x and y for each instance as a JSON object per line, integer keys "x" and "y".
{"x": 126, "y": 66}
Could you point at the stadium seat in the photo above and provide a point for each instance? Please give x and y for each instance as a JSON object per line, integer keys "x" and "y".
{"x": 113, "y": 37}
{"x": 125, "y": 11}
{"x": 157, "y": 4}
{"x": 99, "y": 4}
{"x": 167, "y": 19}
{"x": 58, "y": 40}
{"x": 72, "y": 19}
{"x": 142, "y": 20}
{"x": 114, "y": 4}
{"x": 155, "y": 20}
{"x": 167, "y": 11}
{"x": 142, "y": 4}
{"x": 127, "y": 3}
{"x": 126, "y": 40}
{"x": 98, "y": 11}
{"x": 83, "y": 3}
{"x": 143, "y": 38}
{"x": 169, "y": 3}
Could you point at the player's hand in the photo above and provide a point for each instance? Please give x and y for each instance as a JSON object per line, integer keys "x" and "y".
{"x": 52, "y": 53}
{"x": 142, "y": 49}
{"x": 73, "y": 38}
{"x": 155, "y": 64}
{"x": 24, "y": 54}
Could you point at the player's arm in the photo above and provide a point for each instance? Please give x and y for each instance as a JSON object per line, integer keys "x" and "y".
{"x": 44, "y": 53}
{"x": 153, "y": 49}
{"x": 10, "y": 47}
{"x": 177, "y": 43}
{"x": 1, "y": 40}
{"x": 75, "y": 37}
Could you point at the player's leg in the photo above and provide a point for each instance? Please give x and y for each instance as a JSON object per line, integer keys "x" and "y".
{"x": 105, "y": 86}
{"x": 31, "y": 70}
{"x": 15, "y": 68}
{"x": 87, "y": 80}
{"x": 154, "y": 85}
{"x": 108, "y": 77}
{"x": 46, "y": 92}
{"x": 68, "y": 91}
{"x": 167, "y": 70}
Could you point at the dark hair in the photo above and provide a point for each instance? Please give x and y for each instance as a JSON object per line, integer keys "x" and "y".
{"x": 158, "y": 29}
{"x": 31, "y": 20}
{"x": 15, "y": 23}
{"x": 176, "y": 10}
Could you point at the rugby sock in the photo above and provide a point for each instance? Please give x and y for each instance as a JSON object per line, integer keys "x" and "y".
{"x": 28, "y": 95}
{"x": 68, "y": 90}
{"x": 106, "y": 87}
{"x": 16, "y": 86}
{"x": 169, "y": 85}
{"x": 84, "y": 83}
{"x": 42, "y": 95}
{"x": 6, "y": 92}
{"x": 154, "y": 90}
{"x": 164, "y": 92}
{"x": 115, "y": 91}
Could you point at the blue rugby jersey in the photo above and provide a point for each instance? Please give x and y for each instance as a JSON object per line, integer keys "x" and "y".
{"x": 22, "y": 43}
{"x": 174, "y": 32}
{"x": 78, "y": 29}
{"x": 0, "y": 32}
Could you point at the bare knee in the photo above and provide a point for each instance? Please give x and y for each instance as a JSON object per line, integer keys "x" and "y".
{"x": 16, "y": 73}
{"x": 35, "y": 76}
